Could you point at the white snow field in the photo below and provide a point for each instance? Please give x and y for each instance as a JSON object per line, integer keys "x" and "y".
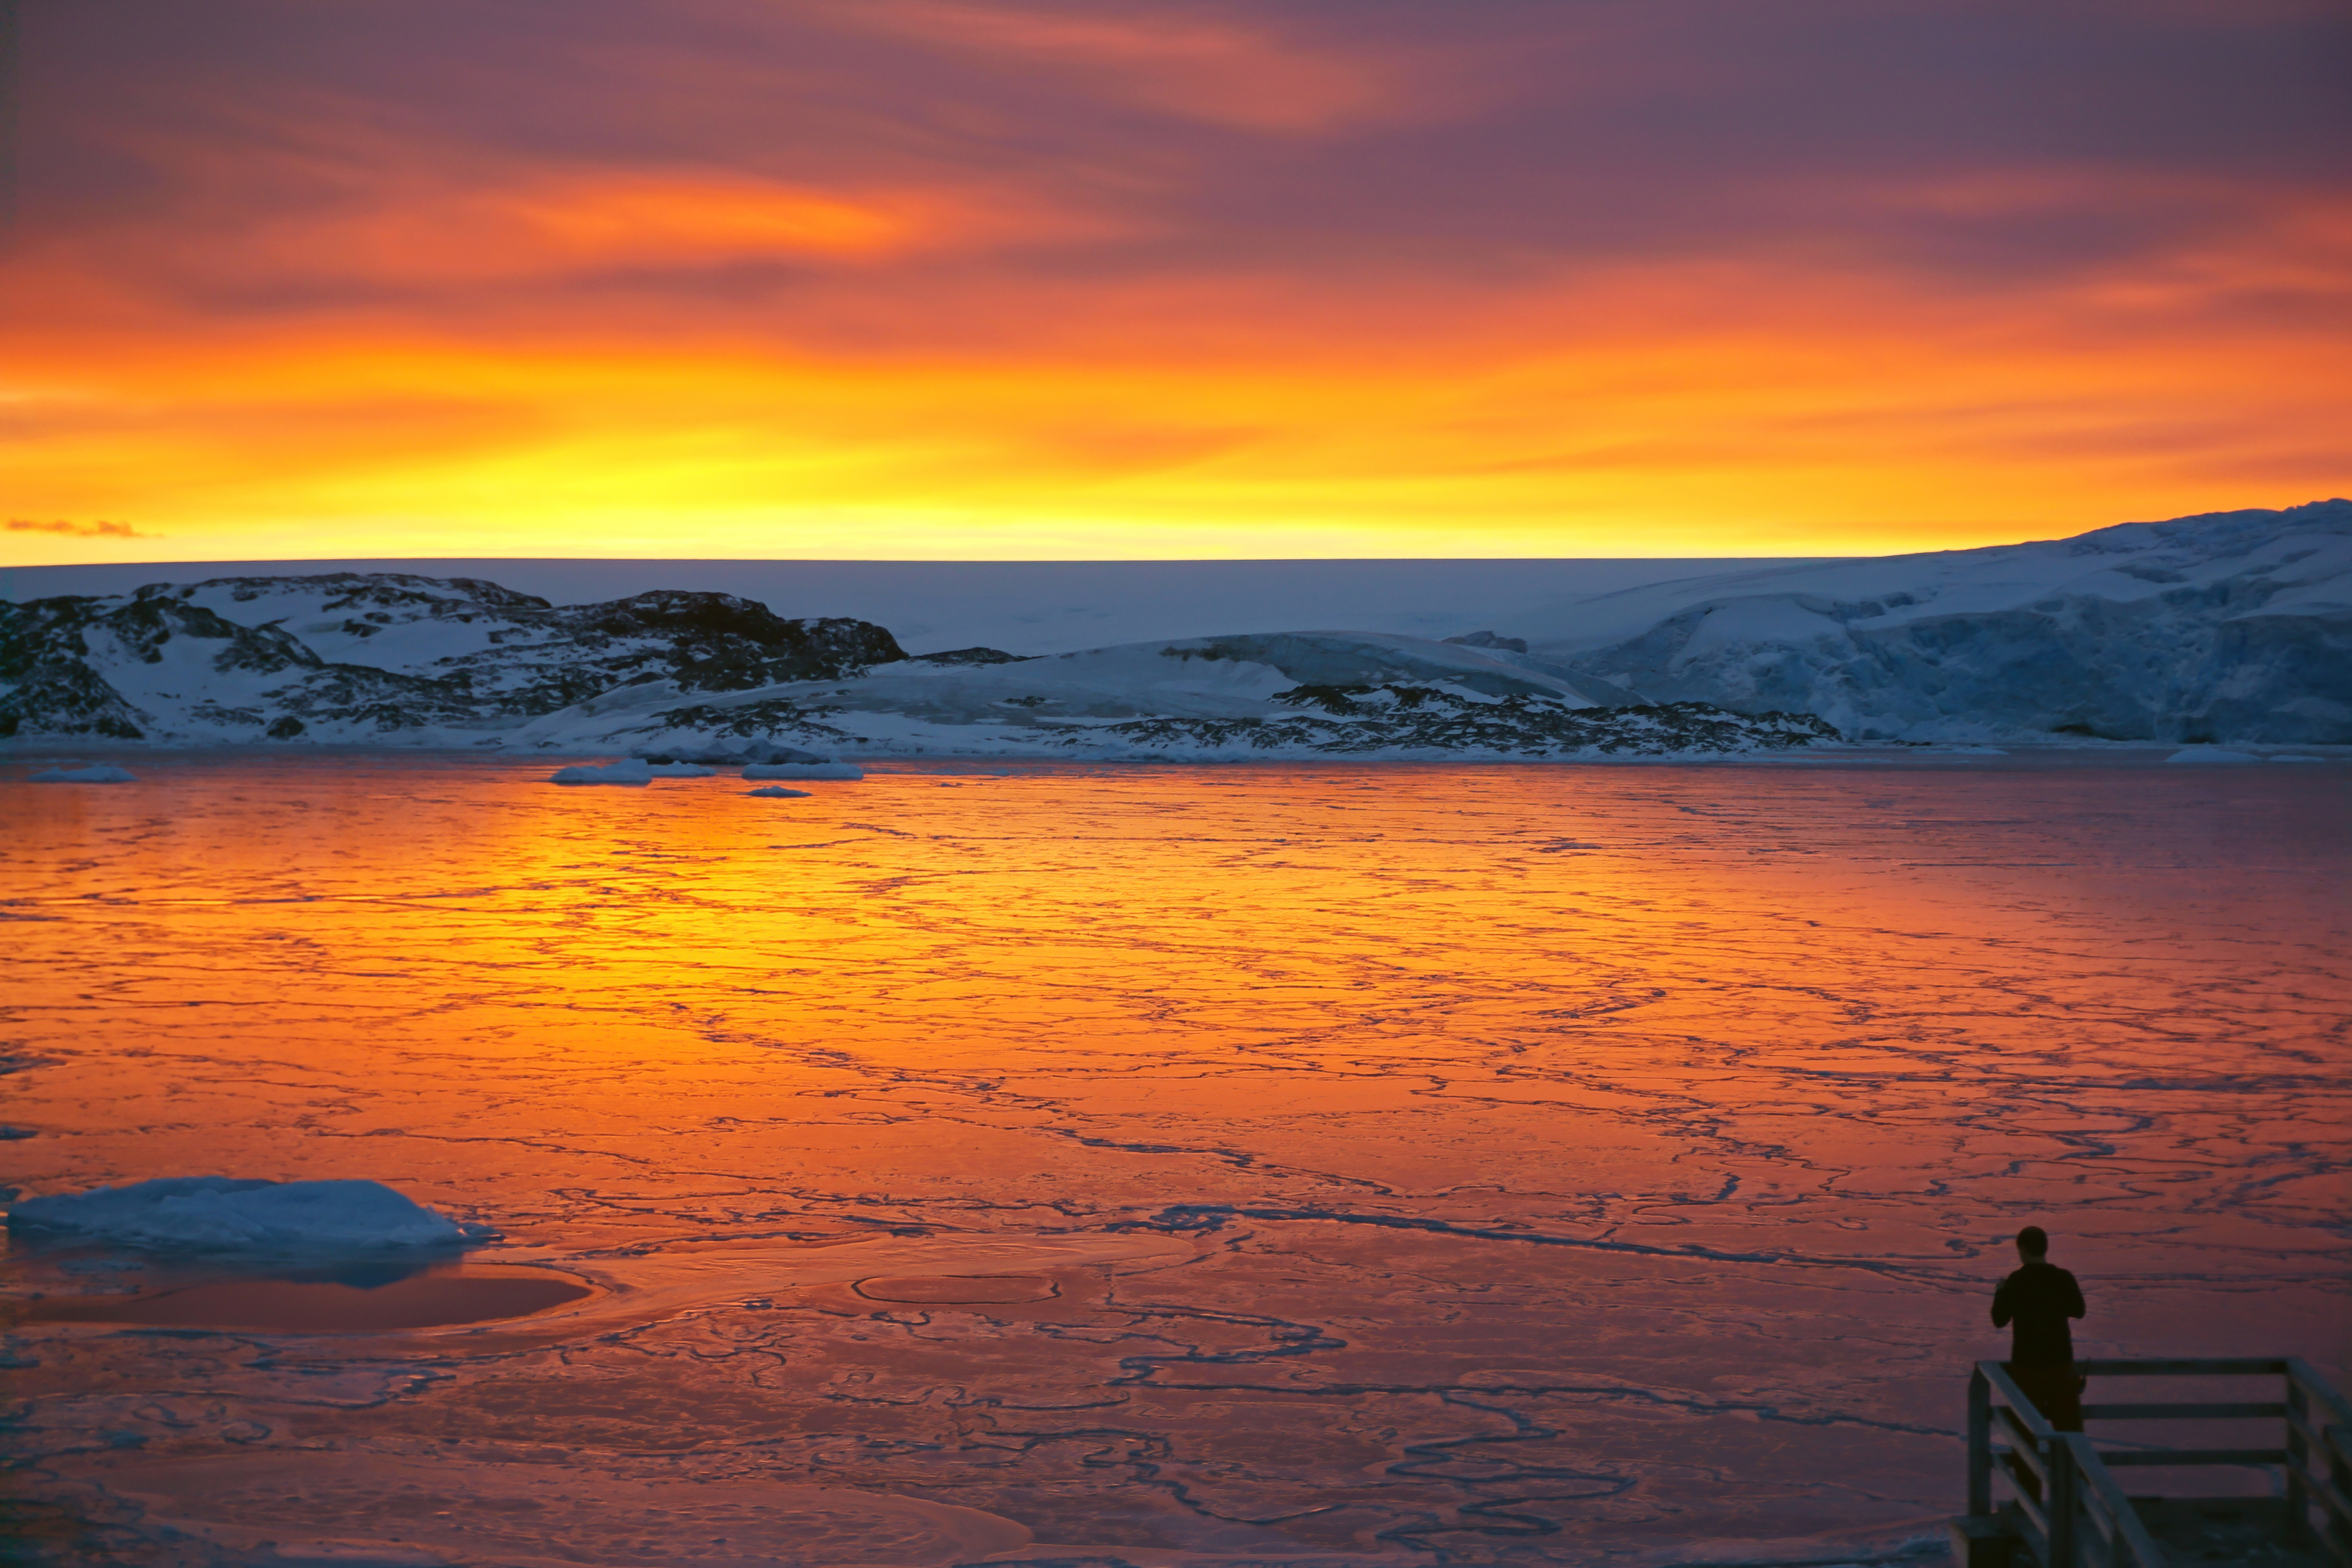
{"x": 2235, "y": 626}
{"x": 224, "y": 1214}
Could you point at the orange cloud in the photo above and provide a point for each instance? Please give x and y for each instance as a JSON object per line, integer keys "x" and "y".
{"x": 91, "y": 531}
{"x": 643, "y": 220}
{"x": 1188, "y": 66}
{"x": 1705, "y": 409}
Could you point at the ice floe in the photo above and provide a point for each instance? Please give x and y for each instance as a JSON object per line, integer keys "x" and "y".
{"x": 778, "y": 793}
{"x": 100, "y": 774}
{"x": 212, "y": 1214}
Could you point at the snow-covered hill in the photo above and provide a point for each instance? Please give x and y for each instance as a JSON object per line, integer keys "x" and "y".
{"x": 354, "y": 658}
{"x": 1284, "y": 695}
{"x": 2233, "y": 627}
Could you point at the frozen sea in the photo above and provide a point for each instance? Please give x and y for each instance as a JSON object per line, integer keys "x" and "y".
{"x": 1302, "y": 1165}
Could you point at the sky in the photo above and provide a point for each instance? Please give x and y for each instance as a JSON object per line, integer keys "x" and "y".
{"x": 1088, "y": 279}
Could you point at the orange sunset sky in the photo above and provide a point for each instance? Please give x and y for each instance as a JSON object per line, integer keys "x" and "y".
{"x": 969, "y": 279}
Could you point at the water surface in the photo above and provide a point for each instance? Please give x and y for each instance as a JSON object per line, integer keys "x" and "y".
{"x": 1301, "y": 1163}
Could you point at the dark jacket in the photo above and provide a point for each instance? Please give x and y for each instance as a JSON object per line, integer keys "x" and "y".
{"x": 2041, "y": 1297}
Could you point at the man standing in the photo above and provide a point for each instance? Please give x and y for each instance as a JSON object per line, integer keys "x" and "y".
{"x": 2039, "y": 1298}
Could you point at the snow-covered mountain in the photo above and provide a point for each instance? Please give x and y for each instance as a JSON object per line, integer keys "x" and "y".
{"x": 2235, "y": 627}
{"x": 2232, "y": 626}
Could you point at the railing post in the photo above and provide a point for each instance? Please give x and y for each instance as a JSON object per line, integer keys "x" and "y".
{"x": 2298, "y": 1454}
{"x": 1980, "y": 1444}
{"x": 2060, "y": 1505}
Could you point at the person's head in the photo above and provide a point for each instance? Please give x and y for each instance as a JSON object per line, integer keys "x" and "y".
{"x": 2033, "y": 1244}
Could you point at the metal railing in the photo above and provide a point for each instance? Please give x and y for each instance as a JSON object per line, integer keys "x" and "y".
{"x": 2066, "y": 1502}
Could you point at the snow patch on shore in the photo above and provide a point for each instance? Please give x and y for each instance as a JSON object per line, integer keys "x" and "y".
{"x": 96, "y": 774}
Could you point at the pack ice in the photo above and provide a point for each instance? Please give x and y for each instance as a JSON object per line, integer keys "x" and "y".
{"x": 206, "y": 1214}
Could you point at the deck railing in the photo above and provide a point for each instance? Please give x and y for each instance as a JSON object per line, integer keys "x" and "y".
{"x": 2065, "y": 1502}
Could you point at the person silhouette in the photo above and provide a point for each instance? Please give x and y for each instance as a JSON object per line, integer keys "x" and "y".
{"x": 2039, "y": 1298}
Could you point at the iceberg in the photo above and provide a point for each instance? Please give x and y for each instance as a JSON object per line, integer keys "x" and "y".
{"x": 100, "y": 774}
{"x": 219, "y": 1213}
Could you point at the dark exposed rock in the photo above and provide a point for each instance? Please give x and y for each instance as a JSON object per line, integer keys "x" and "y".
{"x": 758, "y": 749}
{"x": 66, "y": 696}
{"x": 757, "y": 721}
{"x": 1488, "y": 640}
{"x": 363, "y": 591}
{"x": 1393, "y": 716}
{"x": 968, "y": 656}
{"x": 547, "y": 659}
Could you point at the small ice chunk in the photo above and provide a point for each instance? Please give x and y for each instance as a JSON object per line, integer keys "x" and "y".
{"x": 778, "y": 793}
{"x": 631, "y": 771}
{"x": 100, "y": 774}
{"x": 2210, "y": 753}
{"x": 213, "y": 1214}
{"x": 803, "y": 771}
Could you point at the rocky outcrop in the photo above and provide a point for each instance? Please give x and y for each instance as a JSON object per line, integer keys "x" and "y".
{"x": 240, "y": 658}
